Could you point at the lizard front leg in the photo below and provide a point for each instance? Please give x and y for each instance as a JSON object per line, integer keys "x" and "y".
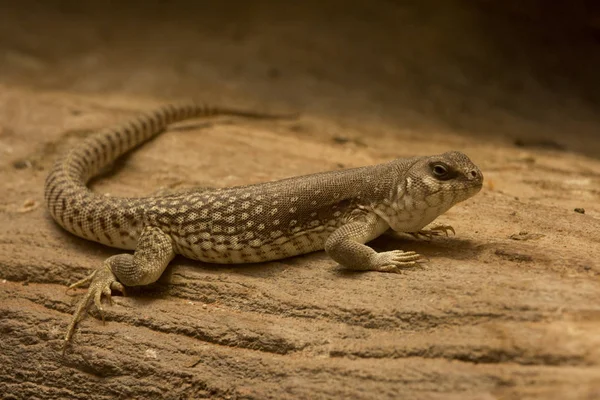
{"x": 153, "y": 253}
{"x": 346, "y": 246}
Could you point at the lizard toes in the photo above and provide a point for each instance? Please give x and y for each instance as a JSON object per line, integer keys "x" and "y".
{"x": 401, "y": 259}
{"x": 101, "y": 282}
{"x": 82, "y": 282}
{"x": 399, "y": 256}
{"x": 389, "y": 268}
{"x": 394, "y": 261}
{"x": 119, "y": 287}
{"x": 98, "y": 303}
{"x": 406, "y": 253}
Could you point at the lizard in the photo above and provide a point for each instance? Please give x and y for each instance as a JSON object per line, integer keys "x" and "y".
{"x": 337, "y": 211}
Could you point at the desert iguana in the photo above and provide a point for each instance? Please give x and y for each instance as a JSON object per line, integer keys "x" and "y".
{"x": 337, "y": 211}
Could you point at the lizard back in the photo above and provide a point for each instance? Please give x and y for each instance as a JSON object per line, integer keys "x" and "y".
{"x": 251, "y": 223}
{"x": 270, "y": 220}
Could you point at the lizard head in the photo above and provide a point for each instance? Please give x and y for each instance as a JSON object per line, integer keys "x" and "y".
{"x": 431, "y": 186}
{"x": 445, "y": 179}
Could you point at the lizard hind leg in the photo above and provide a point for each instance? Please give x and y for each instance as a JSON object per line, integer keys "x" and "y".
{"x": 102, "y": 281}
{"x": 153, "y": 253}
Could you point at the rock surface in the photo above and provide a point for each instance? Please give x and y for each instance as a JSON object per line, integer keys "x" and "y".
{"x": 508, "y": 308}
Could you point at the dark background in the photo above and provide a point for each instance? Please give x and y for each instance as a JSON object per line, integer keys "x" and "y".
{"x": 522, "y": 71}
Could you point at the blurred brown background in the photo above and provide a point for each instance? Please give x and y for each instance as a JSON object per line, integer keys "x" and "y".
{"x": 514, "y": 69}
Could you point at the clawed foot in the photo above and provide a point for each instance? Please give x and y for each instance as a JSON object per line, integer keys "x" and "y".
{"x": 393, "y": 261}
{"x": 434, "y": 231}
{"x": 101, "y": 282}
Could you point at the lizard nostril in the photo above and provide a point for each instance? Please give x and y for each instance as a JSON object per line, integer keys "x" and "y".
{"x": 473, "y": 174}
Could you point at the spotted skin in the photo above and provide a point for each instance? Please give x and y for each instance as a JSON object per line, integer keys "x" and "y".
{"x": 338, "y": 211}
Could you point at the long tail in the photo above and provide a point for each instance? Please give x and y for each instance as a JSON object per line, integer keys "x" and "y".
{"x": 67, "y": 197}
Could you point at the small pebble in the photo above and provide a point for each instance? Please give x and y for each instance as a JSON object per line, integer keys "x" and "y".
{"x": 22, "y": 164}
{"x": 28, "y": 205}
{"x": 341, "y": 139}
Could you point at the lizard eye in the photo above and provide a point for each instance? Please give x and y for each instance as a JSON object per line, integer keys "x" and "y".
{"x": 439, "y": 170}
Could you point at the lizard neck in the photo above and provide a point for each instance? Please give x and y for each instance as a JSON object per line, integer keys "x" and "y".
{"x": 400, "y": 208}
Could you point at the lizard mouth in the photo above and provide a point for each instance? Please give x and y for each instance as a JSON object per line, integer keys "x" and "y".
{"x": 471, "y": 187}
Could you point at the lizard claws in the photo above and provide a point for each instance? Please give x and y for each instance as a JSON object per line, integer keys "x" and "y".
{"x": 434, "y": 231}
{"x": 101, "y": 283}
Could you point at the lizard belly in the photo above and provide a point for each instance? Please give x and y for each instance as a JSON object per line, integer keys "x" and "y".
{"x": 221, "y": 249}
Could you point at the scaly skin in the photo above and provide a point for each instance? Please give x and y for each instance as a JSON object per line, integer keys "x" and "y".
{"x": 338, "y": 211}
